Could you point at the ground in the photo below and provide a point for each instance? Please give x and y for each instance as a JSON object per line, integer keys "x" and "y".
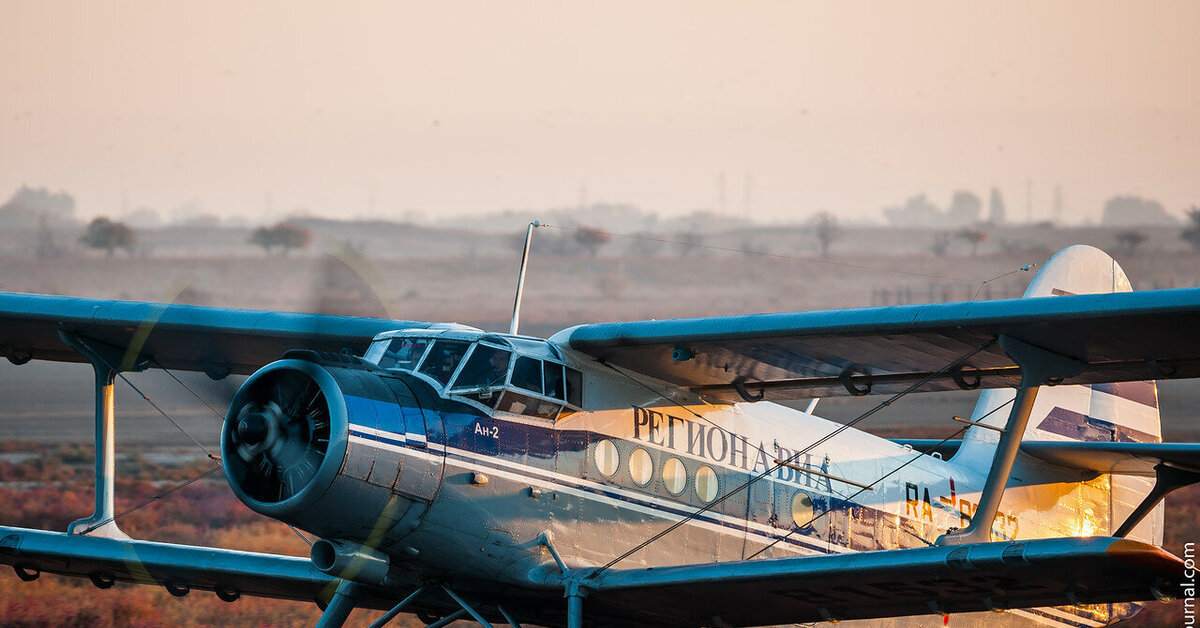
{"x": 46, "y": 424}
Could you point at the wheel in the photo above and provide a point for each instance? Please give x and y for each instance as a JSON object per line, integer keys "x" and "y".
{"x": 28, "y": 575}
{"x": 102, "y": 580}
{"x": 227, "y": 594}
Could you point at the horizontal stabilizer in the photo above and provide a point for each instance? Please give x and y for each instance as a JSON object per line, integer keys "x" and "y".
{"x": 938, "y": 579}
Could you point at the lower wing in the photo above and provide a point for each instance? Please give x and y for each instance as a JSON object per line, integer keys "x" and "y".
{"x": 931, "y": 580}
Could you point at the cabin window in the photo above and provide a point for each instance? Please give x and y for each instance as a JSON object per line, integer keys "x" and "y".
{"x": 802, "y": 509}
{"x": 641, "y": 466}
{"x": 527, "y": 374}
{"x": 706, "y": 484}
{"x": 674, "y": 476}
{"x": 443, "y": 358}
{"x": 517, "y": 403}
{"x": 607, "y": 458}
{"x": 403, "y": 353}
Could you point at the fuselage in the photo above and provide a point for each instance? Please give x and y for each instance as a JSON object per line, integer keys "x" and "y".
{"x": 479, "y": 493}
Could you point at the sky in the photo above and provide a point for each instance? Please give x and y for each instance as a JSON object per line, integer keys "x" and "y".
{"x": 772, "y": 110}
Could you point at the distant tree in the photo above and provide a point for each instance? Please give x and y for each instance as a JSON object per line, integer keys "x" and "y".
{"x": 752, "y": 249}
{"x": 941, "y": 243}
{"x": 1129, "y": 240}
{"x": 285, "y": 235}
{"x": 46, "y": 246}
{"x": 917, "y": 211}
{"x": 825, "y": 227}
{"x": 29, "y": 205}
{"x": 143, "y": 218}
{"x": 103, "y": 233}
{"x": 646, "y": 244}
{"x": 1192, "y": 232}
{"x": 1131, "y": 211}
{"x": 973, "y": 237}
{"x": 964, "y": 208}
{"x": 592, "y": 239}
{"x": 690, "y": 242}
{"x": 996, "y": 207}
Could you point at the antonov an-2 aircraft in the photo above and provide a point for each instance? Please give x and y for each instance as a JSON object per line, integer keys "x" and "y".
{"x": 631, "y": 474}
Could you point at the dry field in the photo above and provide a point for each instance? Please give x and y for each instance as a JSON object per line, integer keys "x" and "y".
{"x": 424, "y": 274}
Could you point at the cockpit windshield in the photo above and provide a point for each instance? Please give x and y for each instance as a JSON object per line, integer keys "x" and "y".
{"x": 403, "y": 353}
{"x": 443, "y": 359}
{"x": 500, "y": 373}
{"x": 486, "y": 368}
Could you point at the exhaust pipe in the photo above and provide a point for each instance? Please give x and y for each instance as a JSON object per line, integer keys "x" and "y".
{"x": 351, "y": 561}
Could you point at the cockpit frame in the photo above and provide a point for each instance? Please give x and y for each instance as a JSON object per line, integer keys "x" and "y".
{"x": 494, "y": 372}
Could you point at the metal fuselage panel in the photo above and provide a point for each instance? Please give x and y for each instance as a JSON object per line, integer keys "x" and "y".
{"x": 508, "y": 478}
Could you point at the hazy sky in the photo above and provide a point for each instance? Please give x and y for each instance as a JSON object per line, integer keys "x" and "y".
{"x": 453, "y": 107}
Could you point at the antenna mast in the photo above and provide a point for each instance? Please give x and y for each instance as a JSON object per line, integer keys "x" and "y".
{"x": 516, "y": 317}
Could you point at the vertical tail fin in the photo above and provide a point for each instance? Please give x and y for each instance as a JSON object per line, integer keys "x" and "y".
{"x": 1126, "y": 412}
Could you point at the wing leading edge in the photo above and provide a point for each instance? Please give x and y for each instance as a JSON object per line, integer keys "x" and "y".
{"x": 186, "y": 337}
{"x": 148, "y": 562}
{"x": 1127, "y": 336}
{"x": 941, "y": 580}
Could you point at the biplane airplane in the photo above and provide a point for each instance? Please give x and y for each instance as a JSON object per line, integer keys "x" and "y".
{"x": 639, "y": 473}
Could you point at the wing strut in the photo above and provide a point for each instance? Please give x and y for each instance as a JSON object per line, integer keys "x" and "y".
{"x": 340, "y": 606}
{"x": 102, "y": 522}
{"x": 1167, "y": 478}
{"x": 1038, "y": 367}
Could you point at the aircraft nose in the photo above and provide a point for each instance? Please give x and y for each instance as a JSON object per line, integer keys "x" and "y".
{"x": 253, "y": 428}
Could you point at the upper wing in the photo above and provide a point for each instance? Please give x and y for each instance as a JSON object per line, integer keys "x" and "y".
{"x": 187, "y": 337}
{"x": 965, "y": 578}
{"x": 1096, "y": 456}
{"x": 1117, "y": 458}
{"x": 1126, "y": 336}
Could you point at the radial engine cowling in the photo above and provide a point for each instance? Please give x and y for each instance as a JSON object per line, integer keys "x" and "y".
{"x": 287, "y": 454}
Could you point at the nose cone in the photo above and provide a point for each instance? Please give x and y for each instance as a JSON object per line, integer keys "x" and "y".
{"x": 253, "y": 428}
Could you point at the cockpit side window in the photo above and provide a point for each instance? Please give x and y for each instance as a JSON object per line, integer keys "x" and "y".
{"x": 574, "y": 387}
{"x": 527, "y": 374}
{"x": 403, "y": 353}
{"x": 552, "y": 377}
{"x": 486, "y": 368}
{"x": 443, "y": 359}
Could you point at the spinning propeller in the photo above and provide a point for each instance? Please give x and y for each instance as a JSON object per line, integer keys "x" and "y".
{"x": 279, "y": 435}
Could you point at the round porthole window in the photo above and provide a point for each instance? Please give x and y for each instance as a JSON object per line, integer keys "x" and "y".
{"x": 802, "y": 509}
{"x": 706, "y": 484}
{"x": 607, "y": 457}
{"x": 641, "y": 466}
{"x": 674, "y": 476}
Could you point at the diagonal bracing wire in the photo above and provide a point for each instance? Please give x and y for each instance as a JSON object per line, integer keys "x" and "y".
{"x": 150, "y": 401}
{"x": 189, "y": 389}
{"x": 872, "y": 484}
{"x": 707, "y": 507}
{"x": 153, "y": 499}
{"x": 845, "y": 500}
